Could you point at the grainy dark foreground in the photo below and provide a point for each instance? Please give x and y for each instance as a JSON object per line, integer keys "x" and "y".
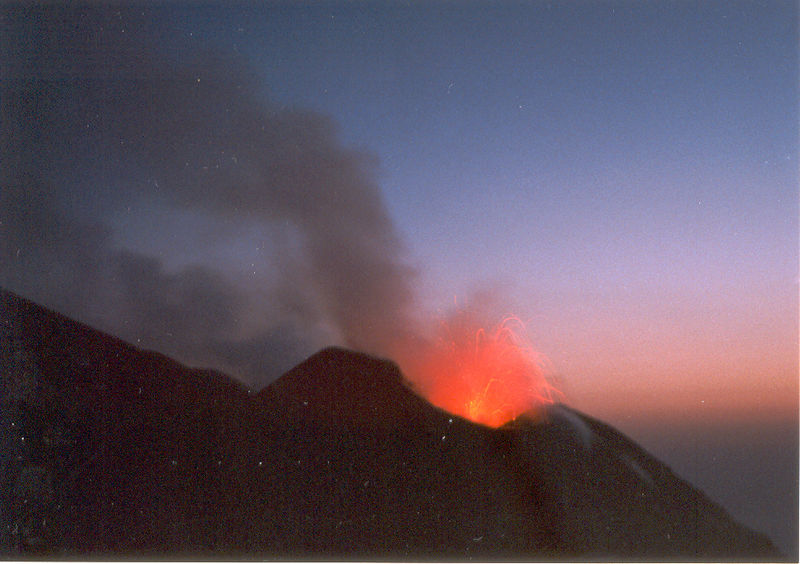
{"x": 111, "y": 451}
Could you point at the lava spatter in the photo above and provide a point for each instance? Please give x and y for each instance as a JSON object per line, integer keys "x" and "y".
{"x": 487, "y": 376}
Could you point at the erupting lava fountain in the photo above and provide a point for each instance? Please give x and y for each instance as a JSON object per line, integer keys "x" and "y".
{"x": 489, "y": 377}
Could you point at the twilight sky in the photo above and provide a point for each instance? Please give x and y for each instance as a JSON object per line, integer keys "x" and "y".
{"x": 620, "y": 176}
{"x": 240, "y": 186}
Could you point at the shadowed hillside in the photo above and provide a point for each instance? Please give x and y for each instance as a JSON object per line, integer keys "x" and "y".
{"x": 111, "y": 450}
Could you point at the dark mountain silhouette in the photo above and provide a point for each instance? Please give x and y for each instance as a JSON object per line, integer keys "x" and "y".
{"x": 109, "y": 450}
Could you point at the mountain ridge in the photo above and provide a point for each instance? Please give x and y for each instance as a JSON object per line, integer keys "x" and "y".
{"x": 112, "y": 450}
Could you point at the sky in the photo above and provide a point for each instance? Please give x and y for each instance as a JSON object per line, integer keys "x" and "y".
{"x": 240, "y": 184}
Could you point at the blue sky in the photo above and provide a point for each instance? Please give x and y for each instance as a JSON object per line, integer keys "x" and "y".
{"x": 510, "y": 136}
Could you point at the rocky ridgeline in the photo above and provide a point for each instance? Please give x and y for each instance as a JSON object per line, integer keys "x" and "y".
{"x": 110, "y": 450}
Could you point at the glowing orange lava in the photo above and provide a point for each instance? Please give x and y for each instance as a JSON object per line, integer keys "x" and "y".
{"x": 487, "y": 377}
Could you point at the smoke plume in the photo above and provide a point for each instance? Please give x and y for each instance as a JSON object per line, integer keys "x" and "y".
{"x": 99, "y": 134}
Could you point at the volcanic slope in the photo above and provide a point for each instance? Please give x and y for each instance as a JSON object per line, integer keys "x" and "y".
{"x": 107, "y": 449}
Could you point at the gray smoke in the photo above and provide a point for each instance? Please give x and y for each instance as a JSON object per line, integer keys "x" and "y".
{"x": 95, "y": 127}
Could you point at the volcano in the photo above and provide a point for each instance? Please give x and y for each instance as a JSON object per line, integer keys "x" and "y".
{"x": 108, "y": 450}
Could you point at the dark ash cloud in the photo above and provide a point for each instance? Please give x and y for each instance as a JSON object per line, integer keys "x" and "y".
{"x": 93, "y": 122}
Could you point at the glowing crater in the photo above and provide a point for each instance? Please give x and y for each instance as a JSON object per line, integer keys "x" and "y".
{"x": 489, "y": 377}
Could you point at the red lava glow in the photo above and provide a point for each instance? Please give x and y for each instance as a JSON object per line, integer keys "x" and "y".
{"x": 489, "y": 377}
